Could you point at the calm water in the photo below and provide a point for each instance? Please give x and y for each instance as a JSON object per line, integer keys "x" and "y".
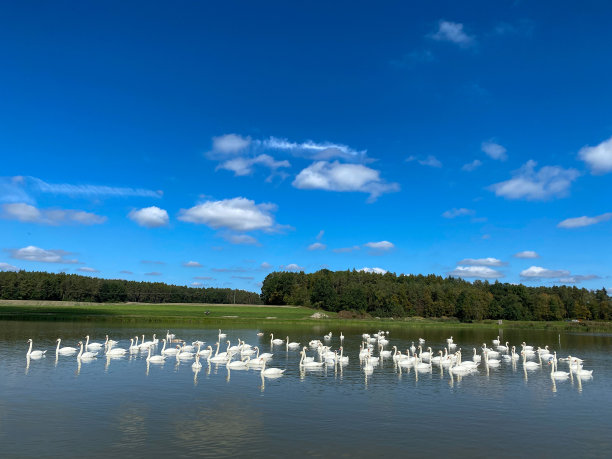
{"x": 121, "y": 407}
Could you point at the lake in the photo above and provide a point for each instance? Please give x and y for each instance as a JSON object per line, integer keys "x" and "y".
{"x": 124, "y": 407}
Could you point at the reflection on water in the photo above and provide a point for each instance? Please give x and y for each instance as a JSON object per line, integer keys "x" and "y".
{"x": 128, "y": 406}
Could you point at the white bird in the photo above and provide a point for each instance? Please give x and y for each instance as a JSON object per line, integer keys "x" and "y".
{"x": 66, "y": 350}
{"x": 263, "y": 355}
{"x": 557, "y": 374}
{"x": 496, "y": 341}
{"x": 311, "y": 364}
{"x": 34, "y": 354}
{"x": 114, "y": 352}
{"x": 421, "y": 341}
{"x": 292, "y": 345}
{"x": 221, "y": 335}
{"x": 94, "y": 346}
{"x": 155, "y": 358}
{"x": 169, "y": 351}
{"x": 529, "y": 365}
{"x": 196, "y": 365}
{"x": 275, "y": 341}
{"x": 328, "y": 336}
{"x": 85, "y": 355}
{"x": 270, "y": 372}
{"x": 183, "y": 355}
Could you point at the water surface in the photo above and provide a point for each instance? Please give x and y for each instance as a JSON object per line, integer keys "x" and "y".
{"x": 124, "y": 407}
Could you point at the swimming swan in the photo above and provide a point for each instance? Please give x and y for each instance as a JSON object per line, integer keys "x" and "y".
{"x": 34, "y": 354}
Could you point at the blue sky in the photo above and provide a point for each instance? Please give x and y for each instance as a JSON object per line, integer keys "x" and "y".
{"x": 206, "y": 144}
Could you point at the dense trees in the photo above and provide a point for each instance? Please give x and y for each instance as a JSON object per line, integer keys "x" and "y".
{"x": 433, "y": 296}
{"x": 25, "y": 285}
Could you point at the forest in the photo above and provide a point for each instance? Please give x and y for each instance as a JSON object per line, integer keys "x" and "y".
{"x": 390, "y": 295}
{"x": 24, "y": 285}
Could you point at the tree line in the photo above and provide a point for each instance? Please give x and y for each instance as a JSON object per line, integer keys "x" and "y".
{"x": 25, "y": 285}
{"x": 390, "y": 295}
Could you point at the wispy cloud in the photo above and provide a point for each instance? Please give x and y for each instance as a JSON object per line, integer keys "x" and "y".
{"x": 576, "y": 279}
{"x": 153, "y": 273}
{"x": 580, "y": 222}
{"x": 461, "y": 212}
{"x": 241, "y": 166}
{"x": 315, "y": 150}
{"x": 453, "y": 32}
{"x": 33, "y": 253}
{"x": 537, "y": 272}
{"x": 27, "y": 213}
{"x": 527, "y": 254}
{"x": 292, "y": 267}
{"x": 346, "y": 249}
{"x": 229, "y": 270}
{"x": 91, "y": 190}
{"x": 192, "y": 264}
{"x": 86, "y": 269}
{"x": 8, "y": 267}
{"x": 240, "y": 239}
{"x": 527, "y": 183}
{"x": 373, "y": 270}
{"x": 489, "y": 261}
{"x": 430, "y": 161}
{"x": 380, "y": 247}
{"x": 320, "y": 235}
{"x": 469, "y": 167}
{"x": 317, "y": 246}
{"x": 494, "y": 150}
{"x": 243, "y": 277}
{"x": 336, "y": 176}
{"x": 599, "y": 157}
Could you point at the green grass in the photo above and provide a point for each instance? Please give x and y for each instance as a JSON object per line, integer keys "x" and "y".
{"x": 249, "y": 314}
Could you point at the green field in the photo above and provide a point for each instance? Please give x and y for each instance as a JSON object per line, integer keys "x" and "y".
{"x": 208, "y": 314}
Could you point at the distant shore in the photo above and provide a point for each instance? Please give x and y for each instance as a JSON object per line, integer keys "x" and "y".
{"x": 240, "y": 314}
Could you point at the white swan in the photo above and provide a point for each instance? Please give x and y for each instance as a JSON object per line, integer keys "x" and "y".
{"x": 66, "y": 350}
{"x": 422, "y": 341}
{"x": 529, "y": 365}
{"x": 155, "y": 358}
{"x": 263, "y": 355}
{"x": 94, "y": 346}
{"x": 343, "y": 358}
{"x": 218, "y": 357}
{"x": 304, "y": 364}
{"x": 133, "y": 348}
{"x": 205, "y": 352}
{"x": 496, "y": 341}
{"x": 169, "y": 351}
{"x": 292, "y": 345}
{"x": 275, "y": 341}
{"x": 196, "y": 365}
{"x": 34, "y": 354}
{"x": 328, "y": 336}
{"x": 222, "y": 335}
{"x": 270, "y": 372}
{"x": 183, "y": 355}
{"x": 85, "y": 355}
{"x": 476, "y": 358}
{"x": 236, "y": 364}
{"x": 116, "y": 352}
{"x": 557, "y": 374}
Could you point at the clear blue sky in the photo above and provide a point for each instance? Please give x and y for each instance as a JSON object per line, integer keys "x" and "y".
{"x": 207, "y": 143}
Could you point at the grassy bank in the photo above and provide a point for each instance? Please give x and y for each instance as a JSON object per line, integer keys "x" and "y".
{"x": 209, "y": 314}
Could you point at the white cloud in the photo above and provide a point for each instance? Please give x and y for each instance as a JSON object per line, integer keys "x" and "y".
{"x": 91, "y": 190}
{"x": 150, "y": 217}
{"x": 33, "y": 253}
{"x": 579, "y": 222}
{"x": 192, "y": 264}
{"x": 196, "y": 284}
{"x": 373, "y": 270}
{"x": 292, "y": 267}
{"x": 469, "y": 167}
{"x": 578, "y": 278}
{"x": 481, "y": 272}
{"x": 244, "y": 166}
{"x": 453, "y": 32}
{"x": 549, "y": 182}
{"x": 230, "y": 143}
{"x": 537, "y": 272}
{"x": 86, "y": 269}
{"x": 481, "y": 262}
{"x": 7, "y": 267}
{"x": 526, "y": 254}
{"x": 240, "y": 239}
{"x": 323, "y": 175}
{"x": 153, "y": 273}
{"x": 12, "y": 190}
{"x": 346, "y": 249}
{"x": 317, "y": 246}
{"x": 599, "y": 157}
{"x": 238, "y": 214}
{"x": 265, "y": 266}
{"x": 381, "y": 246}
{"x": 320, "y": 235}
{"x": 454, "y": 213}
{"x": 430, "y": 161}
{"x": 27, "y": 213}
{"x": 494, "y": 150}
{"x": 316, "y": 151}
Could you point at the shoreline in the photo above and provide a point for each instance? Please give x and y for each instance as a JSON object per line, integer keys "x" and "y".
{"x": 230, "y": 314}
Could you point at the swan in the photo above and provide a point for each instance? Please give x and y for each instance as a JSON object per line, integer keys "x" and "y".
{"x": 270, "y": 372}
{"x": 501, "y": 347}
{"x": 198, "y": 343}
{"x": 328, "y": 336}
{"x": 382, "y": 353}
{"x": 222, "y": 335}
{"x": 490, "y": 362}
{"x": 496, "y": 342}
{"x": 236, "y": 364}
{"x": 184, "y": 355}
{"x": 476, "y": 358}
{"x": 449, "y": 340}
{"x": 529, "y": 365}
{"x": 260, "y": 334}
{"x": 343, "y": 358}
{"x": 155, "y": 358}
{"x": 312, "y": 364}
{"x": 85, "y": 355}
{"x": 114, "y": 351}
{"x": 134, "y": 349}
{"x": 557, "y": 374}
{"x": 460, "y": 369}
{"x": 94, "y": 346}
{"x": 525, "y": 347}
{"x": 421, "y": 366}
{"x": 292, "y": 345}
{"x": 438, "y": 359}
{"x": 169, "y": 351}
{"x": 34, "y": 354}
{"x": 275, "y": 341}
{"x": 491, "y": 352}
{"x": 341, "y": 337}
{"x": 412, "y": 348}
{"x": 205, "y": 352}
{"x": 66, "y": 350}
{"x": 426, "y": 354}
{"x": 264, "y": 355}
{"x": 218, "y": 357}
{"x": 109, "y": 342}
{"x": 422, "y": 341}
{"x": 196, "y": 365}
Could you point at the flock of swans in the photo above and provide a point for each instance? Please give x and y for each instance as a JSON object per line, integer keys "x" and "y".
{"x": 373, "y": 351}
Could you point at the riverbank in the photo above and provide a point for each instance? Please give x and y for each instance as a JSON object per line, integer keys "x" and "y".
{"x": 237, "y": 314}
